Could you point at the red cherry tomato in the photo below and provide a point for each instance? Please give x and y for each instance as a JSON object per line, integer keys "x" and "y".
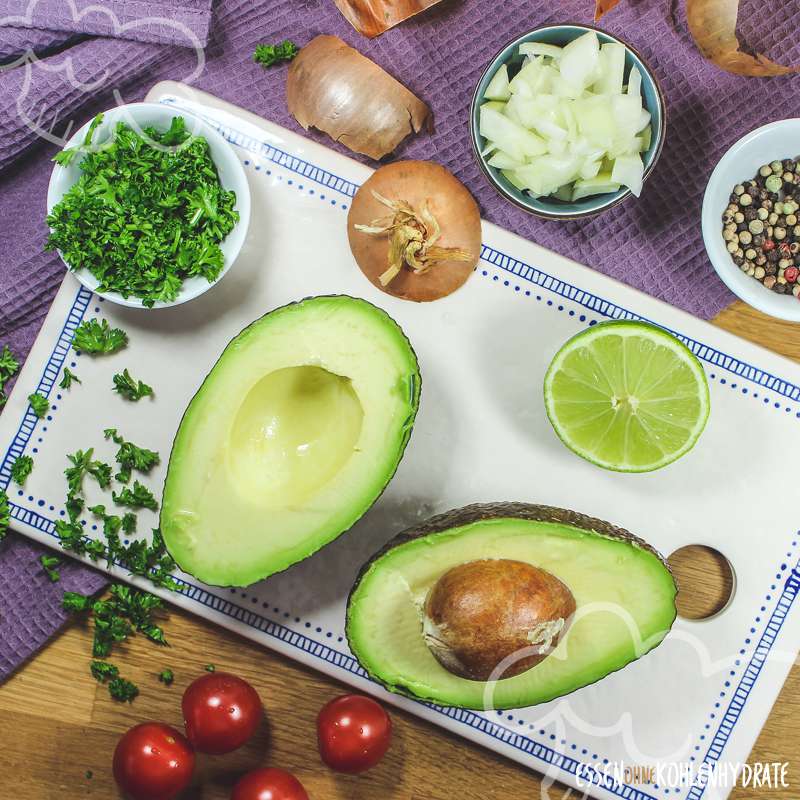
{"x": 269, "y": 784}
{"x": 153, "y": 762}
{"x": 220, "y": 712}
{"x": 353, "y": 733}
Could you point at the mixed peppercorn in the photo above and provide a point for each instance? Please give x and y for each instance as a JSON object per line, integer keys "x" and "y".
{"x": 761, "y": 226}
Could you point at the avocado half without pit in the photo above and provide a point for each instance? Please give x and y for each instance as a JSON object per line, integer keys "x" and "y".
{"x": 292, "y": 436}
{"x": 507, "y": 605}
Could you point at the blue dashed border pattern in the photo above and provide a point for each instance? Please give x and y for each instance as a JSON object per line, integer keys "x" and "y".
{"x": 344, "y": 661}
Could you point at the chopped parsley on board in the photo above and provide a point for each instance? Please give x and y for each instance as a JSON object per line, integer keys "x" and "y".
{"x": 68, "y": 377}
{"x": 137, "y": 497}
{"x": 99, "y": 338}
{"x": 21, "y": 468}
{"x": 130, "y": 388}
{"x": 130, "y": 456}
{"x": 39, "y": 404}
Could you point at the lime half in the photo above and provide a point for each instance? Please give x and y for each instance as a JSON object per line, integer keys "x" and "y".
{"x": 627, "y": 396}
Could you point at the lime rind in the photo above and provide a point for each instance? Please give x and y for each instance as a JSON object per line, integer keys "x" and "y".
{"x": 669, "y": 390}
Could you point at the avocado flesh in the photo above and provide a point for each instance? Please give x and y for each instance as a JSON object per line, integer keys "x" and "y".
{"x": 603, "y": 572}
{"x": 290, "y": 439}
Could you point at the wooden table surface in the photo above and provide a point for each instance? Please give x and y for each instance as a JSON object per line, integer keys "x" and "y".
{"x": 56, "y": 722}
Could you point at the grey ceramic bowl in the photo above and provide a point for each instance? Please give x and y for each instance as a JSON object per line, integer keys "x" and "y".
{"x": 551, "y": 207}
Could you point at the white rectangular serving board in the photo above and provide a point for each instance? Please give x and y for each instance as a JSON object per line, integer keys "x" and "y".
{"x": 481, "y": 435}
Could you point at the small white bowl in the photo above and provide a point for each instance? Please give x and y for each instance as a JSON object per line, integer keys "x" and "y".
{"x": 776, "y": 141}
{"x": 231, "y": 175}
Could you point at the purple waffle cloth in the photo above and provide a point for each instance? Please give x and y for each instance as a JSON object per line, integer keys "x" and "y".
{"x": 653, "y": 244}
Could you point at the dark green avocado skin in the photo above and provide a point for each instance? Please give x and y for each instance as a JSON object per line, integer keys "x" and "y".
{"x": 477, "y": 512}
{"x": 416, "y": 392}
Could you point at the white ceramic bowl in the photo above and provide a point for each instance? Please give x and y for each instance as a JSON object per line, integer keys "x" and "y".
{"x": 775, "y": 141}
{"x": 231, "y": 175}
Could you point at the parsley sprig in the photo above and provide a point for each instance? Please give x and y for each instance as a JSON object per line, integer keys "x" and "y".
{"x": 116, "y": 618}
{"x": 39, "y": 404}
{"x": 21, "y": 468}
{"x": 49, "y": 564}
{"x": 5, "y": 515}
{"x": 130, "y": 388}
{"x": 269, "y": 54}
{"x": 68, "y": 377}
{"x": 148, "y": 212}
{"x": 130, "y": 456}
{"x": 9, "y": 366}
{"x": 99, "y": 338}
{"x": 137, "y": 497}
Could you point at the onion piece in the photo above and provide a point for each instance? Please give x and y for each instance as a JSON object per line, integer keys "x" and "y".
{"x": 712, "y": 24}
{"x": 612, "y": 69}
{"x": 332, "y": 87}
{"x": 579, "y": 60}
{"x": 629, "y": 171}
{"x": 540, "y": 49}
{"x": 602, "y": 184}
{"x": 498, "y": 85}
{"x": 415, "y": 230}
{"x": 373, "y": 17}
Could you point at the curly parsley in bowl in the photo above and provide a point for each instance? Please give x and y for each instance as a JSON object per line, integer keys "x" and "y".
{"x": 147, "y": 207}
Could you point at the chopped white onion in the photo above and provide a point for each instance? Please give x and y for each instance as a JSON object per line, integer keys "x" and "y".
{"x": 540, "y": 49}
{"x": 498, "y": 85}
{"x": 566, "y": 124}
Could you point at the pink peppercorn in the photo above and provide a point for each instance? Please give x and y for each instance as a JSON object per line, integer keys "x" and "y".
{"x": 791, "y": 274}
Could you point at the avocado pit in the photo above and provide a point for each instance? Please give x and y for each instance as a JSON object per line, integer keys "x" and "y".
{"x": 480, "y": 613}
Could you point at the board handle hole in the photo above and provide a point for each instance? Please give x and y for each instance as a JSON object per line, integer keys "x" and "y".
{"x": 706, "y": 581}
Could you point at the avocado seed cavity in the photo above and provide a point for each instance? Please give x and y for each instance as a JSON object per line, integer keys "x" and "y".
{"x": 480, "y": 613}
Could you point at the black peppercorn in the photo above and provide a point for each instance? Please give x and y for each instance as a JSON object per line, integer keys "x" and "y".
{"x": 780, "y": 288}
{"x": 770, "y": 269}
{"x": 750, "y": 214}
{"x": 738, "y": 260}
{"x": 789, "y": 165}
{"x": 742, "y": 226}
{"x": 758, "y": 240}
{"x": 773, "y": 256}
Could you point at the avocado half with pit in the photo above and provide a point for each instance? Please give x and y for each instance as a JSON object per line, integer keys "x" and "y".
{"x": 507, "y": 605}
{"x": 292, "y": 436}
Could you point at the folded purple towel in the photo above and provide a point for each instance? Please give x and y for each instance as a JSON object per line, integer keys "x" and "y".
{"x": 185, "y": 23}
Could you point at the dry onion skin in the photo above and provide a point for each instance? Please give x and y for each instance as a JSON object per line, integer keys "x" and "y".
{"x": 603, "y": 7}
{"x": 415, "y": 231}
{"x": 332, "y": 87}
{"x": 373, "y": 17}
{"x": 712, "y": 24}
